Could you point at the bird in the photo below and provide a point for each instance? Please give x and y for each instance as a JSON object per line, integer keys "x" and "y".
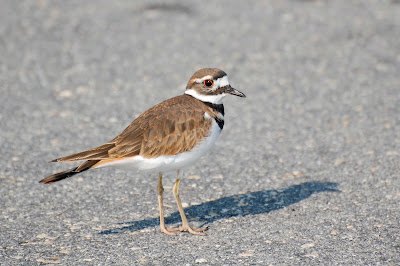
{"x": 169, "y": 136}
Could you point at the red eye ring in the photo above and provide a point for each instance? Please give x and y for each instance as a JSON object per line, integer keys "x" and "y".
{"x": 208, "y": 83}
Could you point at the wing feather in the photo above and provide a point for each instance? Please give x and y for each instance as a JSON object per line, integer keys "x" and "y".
{"x": 168, "y": 128}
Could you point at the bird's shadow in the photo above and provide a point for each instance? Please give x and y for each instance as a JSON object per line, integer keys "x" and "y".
{"x": 237, "y": 205}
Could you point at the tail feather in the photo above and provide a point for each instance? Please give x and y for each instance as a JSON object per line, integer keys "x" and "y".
{"x": 59, "y": 176}
{"x": 100, "y": 152}
{"x": 68, "y": 173}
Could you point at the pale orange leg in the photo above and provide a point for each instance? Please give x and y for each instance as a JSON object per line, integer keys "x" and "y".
{"x": 185, "y": 227}
{"x": 160, "y": 189}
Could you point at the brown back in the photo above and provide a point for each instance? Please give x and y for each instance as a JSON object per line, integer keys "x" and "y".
{"x": 171, "y": 127}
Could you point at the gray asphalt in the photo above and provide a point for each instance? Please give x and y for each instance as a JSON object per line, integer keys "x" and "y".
{"x": 306, "y": 170}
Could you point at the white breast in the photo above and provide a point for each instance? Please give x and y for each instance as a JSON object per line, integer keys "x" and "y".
{"x": 172, "y": 162}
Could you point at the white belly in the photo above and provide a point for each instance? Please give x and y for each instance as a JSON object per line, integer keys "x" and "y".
{"x": 171, "y": 162}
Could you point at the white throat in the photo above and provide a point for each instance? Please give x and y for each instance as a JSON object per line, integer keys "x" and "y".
{"x": 215, "y": 99}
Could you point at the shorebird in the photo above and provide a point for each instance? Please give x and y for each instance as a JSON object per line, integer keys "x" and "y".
{"x": 169, "y": 136}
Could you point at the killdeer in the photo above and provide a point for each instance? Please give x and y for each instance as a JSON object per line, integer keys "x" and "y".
{"x": 169, "y": 136}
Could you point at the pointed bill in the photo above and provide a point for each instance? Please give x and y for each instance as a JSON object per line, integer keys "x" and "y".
{"x": 235, "y": 92}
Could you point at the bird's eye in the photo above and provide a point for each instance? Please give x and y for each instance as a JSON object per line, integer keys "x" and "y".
{"x": 208, "y": 83}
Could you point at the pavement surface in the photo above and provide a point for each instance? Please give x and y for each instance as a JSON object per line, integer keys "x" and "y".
{"x": 306, "y": 170}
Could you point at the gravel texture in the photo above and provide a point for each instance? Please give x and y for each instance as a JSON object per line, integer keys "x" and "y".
{"x": 306, "y": 170}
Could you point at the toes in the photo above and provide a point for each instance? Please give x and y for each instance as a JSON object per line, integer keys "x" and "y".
{"x": 167, "y": 232}
{"x": 195, "y": 232}
{"x": 205, "y": 228}
{"x": 176, "y": 229}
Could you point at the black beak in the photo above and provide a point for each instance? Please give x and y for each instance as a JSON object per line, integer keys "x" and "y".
{"x": 235, "y": 92}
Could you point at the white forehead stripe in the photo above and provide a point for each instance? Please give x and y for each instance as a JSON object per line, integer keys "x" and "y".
{"x": 221, "y": 82}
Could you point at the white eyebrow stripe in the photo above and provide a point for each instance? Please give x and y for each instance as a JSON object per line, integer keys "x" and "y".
{"x": 221, "y": 82}
{"x": 203, "y": 79}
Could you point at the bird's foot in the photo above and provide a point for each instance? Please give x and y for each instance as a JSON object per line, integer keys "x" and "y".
{"x": 194, "y": 231}
{"x": 167, "y": 231}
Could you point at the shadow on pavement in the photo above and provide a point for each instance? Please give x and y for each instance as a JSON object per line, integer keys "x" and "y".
{"x": 237, "y": 205}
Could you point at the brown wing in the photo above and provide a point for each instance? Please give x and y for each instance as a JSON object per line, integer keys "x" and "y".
{"x": 171, "y": 127}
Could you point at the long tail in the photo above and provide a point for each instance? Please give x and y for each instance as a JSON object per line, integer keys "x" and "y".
{"x": 68, "y": 173}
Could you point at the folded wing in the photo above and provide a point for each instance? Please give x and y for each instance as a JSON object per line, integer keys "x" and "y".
{"x": 171, "y": 127}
